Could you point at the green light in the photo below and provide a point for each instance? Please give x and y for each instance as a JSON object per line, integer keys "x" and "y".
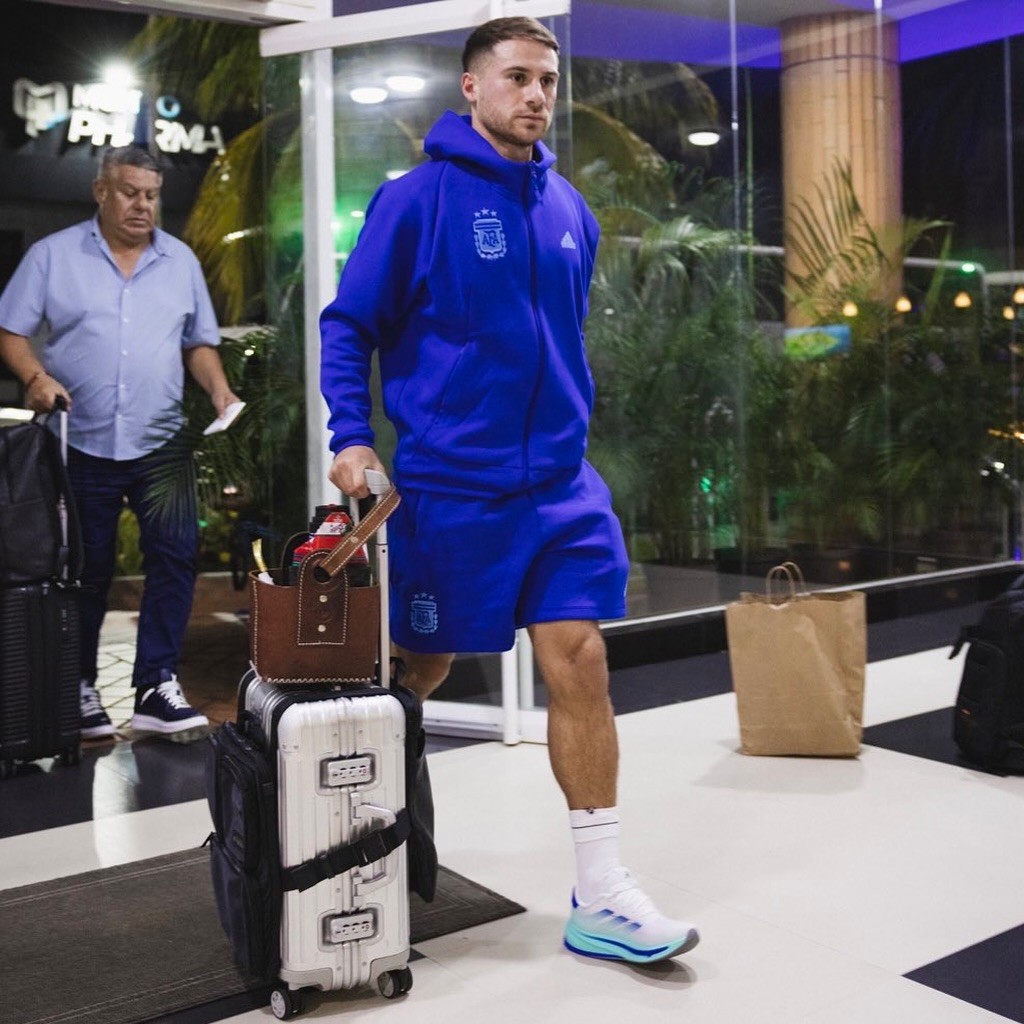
{"x": 969, "y": 268}
{"x": 705, "y": 484}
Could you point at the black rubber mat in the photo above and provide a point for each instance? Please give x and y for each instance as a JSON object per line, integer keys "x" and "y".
{"x": 987, "y": 974}
{"x": 929, "y": 735}
{"x": 142, "y": 941}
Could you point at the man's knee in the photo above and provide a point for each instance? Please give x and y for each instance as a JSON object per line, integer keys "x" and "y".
{"x": 572, "y": 642}
{"x": 573, "y": 659}
{"x": 424, "y": 673}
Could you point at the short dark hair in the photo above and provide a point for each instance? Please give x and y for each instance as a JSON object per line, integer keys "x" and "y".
{"x": 488, "y": 35}
{"x": 128, "y": 156}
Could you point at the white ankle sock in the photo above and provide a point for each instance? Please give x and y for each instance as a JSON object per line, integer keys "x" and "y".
{"x": 595, "y": 834}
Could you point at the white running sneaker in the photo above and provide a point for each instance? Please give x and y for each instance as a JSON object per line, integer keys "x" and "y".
{"x": 623, "y": 924}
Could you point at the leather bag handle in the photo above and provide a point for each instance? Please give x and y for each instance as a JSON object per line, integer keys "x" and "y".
{"x": 352, "y": 542}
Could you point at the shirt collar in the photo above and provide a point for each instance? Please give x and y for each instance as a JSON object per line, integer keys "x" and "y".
{"x": 157, "y": 243}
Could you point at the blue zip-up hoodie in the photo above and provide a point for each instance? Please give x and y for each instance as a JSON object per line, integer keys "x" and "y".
{"x": 470, "y": 276}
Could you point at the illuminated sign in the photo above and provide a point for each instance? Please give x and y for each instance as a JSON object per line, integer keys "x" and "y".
{"x": 103, "y": 114}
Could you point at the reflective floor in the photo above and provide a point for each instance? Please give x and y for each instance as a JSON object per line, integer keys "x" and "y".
{"x": 886, "y": 888}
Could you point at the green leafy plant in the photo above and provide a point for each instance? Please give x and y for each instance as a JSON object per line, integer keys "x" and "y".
{"x": 873, "y": 454}
{"x": 683, "y": 371}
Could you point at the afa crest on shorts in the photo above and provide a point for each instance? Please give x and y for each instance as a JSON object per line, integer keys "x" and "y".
{"x": 423, "y": 613}
{"x": 488, "y": 235}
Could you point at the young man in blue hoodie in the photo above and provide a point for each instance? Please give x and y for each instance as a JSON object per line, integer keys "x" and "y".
{"x": 470, "y": 278}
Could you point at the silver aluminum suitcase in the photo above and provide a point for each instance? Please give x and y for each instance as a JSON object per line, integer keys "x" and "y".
{"x": 340, "y": 776}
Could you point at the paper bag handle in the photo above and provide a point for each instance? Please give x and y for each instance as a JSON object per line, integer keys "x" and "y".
{"x": 788, "y": 571}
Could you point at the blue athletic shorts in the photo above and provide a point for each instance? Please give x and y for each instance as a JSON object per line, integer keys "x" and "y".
{"x": 467, "y": 572}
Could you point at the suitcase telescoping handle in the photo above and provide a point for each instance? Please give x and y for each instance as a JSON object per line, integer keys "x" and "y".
{"x": 379, "y": 485}
{"x": 374, "y": 522}
{"x": 61, "y": 408}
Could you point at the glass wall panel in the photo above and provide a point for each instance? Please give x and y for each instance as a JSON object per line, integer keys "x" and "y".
{"x": 386, "y": 97}
{"x": 287, "y": 485}
{"x": 684, "y": 331}
{"x": 803, "y": 334}
{"x": 805, "y": 320}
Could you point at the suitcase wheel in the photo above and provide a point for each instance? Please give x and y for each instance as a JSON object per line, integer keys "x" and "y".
{"x": 286, "y": 1002}
{"x": 393, "y": 984}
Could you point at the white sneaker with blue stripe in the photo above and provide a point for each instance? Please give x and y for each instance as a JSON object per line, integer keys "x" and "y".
{"x": 623, "y": 924}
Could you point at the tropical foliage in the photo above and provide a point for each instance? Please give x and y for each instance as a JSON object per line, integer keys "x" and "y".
{"x": 260, "y": 461}
{"x": 222, "y": 75}
{"x": 873, "y": 454}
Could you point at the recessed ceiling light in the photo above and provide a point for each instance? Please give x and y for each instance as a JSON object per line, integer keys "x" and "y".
{"x": 405, "y": 83}
{"x": 368, "y": 94}
{"x": 704, "y": 137}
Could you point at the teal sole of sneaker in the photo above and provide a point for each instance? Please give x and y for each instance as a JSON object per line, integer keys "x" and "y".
{"x": 599, "y": 948}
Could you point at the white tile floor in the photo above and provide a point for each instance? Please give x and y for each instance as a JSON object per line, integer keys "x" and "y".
{"x": 816, "y": 883}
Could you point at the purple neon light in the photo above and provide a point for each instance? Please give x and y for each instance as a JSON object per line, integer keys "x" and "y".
{"x": 627, "y": 33}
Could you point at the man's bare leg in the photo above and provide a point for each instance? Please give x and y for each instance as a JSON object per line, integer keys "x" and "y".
{"x": 612, "y": 918}
{"x": 424, "y": 673}
{"x": 582, "y": 741}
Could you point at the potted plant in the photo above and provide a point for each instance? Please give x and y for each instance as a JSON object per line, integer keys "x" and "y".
{"x": 876, "y": 463}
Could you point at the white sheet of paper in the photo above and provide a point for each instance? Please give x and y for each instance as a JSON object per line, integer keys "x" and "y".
{"x": 225, "y": 421}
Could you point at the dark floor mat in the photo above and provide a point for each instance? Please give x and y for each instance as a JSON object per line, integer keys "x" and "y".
{"x": 927, "y": 735}
{"x": 986, "y": 974}
{"x": 142, "y": 941}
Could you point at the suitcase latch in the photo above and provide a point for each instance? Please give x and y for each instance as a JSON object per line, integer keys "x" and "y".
{"x": 347, "y": 771}
{"x": 350, "y": 927}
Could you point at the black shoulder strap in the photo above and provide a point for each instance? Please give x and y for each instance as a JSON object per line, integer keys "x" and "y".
{"x": 373, "y": 846}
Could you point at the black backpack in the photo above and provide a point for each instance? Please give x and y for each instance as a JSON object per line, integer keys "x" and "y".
{"x": 34, "y": 495}
{"x": 988, "y": 723}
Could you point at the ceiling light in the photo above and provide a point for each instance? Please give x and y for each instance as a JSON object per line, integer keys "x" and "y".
{"x": 1018, "y": 296}
{"x": 962, "y": 301}
{"x": 704, "y": 137}
{"x": 120, "y": 76}
{"x": 903, "y": 304}
{"x": 368, "y": 94}
{"x": 1009, "y": 313}
{"x": 850, "y": 309}
{"x": 405, "y": 83}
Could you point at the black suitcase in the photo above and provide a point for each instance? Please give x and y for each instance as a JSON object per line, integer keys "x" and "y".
{"x": 39, "y": 699}
{"x": 40, "y": 710}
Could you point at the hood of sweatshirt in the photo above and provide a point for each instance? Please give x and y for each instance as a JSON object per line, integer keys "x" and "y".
{"x": 454, "y": 138}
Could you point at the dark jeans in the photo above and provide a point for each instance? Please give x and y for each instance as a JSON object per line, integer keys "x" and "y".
{"x": 168, "y": 539}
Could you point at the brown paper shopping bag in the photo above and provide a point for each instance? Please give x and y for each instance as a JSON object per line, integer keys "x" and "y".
{"x": 798, "y": 662}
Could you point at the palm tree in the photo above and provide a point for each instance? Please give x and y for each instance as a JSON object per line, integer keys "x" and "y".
{"x": 218, "y": 65}
{"x": 260, "y": 457}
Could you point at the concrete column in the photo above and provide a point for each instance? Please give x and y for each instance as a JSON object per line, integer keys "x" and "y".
{"x": 841, "y": 102}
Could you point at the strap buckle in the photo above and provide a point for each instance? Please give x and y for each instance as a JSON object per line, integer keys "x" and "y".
{"x": 372, "y": 847}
